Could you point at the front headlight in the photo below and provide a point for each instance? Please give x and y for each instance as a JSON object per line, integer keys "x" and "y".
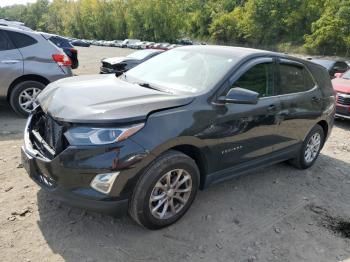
{"x": 100, "y": 136}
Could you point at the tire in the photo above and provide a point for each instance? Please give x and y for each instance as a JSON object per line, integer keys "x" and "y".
{"x": 171, "y": 162}
{"x": 301, "y": 160}
{"x": 32, "y": 88}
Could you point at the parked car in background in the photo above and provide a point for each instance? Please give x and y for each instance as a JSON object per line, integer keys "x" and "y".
{"x": 131, "y": 44}
{"x": 128, "y": 42}
{"x": 80, "y": 43}
{"x": 138, "y": 45}
{"x": 117, "y": 43}
{"x": 161, "y": 46}
{"x": 173, "y": 46}
{"x": 16, "y": 24}
{"x": 341, "y": 85}
{"x": 332, "y": 66}
{"x": 147, "y": 45}
{"x": 185, "y": 41}
{"x": 66, "y": 46}
{"x": 188, "y": 118}
{"x": 119, "y": 65}
{"x": 28, "y": 62}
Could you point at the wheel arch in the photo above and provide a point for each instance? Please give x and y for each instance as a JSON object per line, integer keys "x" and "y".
{"x": 325, "y": 127}
{"x": 23, "y": 78}
{"x": 198, "y": 156}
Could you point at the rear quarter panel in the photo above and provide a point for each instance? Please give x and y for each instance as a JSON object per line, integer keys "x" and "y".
{"x": 38, "y": 60}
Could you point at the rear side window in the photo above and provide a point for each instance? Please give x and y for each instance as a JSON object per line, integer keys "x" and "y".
{"x": 21, "y": 40}
{"x": 259, "y": 79}
{"x": 4, "y": 42}
{"x": 294, "y": 79}
{"x": 60, "y": 42}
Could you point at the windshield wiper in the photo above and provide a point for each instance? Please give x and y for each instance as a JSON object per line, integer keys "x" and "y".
{"x": 147, "y": 85}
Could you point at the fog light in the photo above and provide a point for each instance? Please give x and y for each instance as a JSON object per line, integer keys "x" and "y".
{"x": 104, "y": 182}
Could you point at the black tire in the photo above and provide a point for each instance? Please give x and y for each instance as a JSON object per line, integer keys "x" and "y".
{"x": 299, "y": 161}
{"x": 17, "y": 90}
{"x": 139, "y": 206}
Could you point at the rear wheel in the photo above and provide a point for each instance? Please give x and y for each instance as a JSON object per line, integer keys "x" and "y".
{"x": 165, "y": 191}
{"x": 310, "y": 149}
{"x": 23, "y": 96}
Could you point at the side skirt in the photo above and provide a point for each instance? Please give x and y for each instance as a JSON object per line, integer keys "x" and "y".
{"x": 246, "y": 167}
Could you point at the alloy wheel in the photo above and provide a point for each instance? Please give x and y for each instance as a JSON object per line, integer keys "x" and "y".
{"x": 27, "y": 98}
{"x": 312, "y": 148}
{"x": 170, "y": 194}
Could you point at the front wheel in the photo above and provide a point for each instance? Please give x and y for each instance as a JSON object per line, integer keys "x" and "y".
{"x": 165, "y": 191}
{"x": 310, "y": 149}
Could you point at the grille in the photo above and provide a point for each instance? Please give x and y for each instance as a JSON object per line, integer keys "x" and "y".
{"x": 343, "y": 99}
{"x": 47, "y": 135}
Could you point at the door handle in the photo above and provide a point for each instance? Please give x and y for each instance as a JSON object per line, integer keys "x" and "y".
{"x": 9, "y": 61}
{"x": 271, "y": 108}
{"x": 315, "y": 99}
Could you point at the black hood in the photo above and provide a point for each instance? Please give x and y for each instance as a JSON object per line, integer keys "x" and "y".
{"x": 104, "y": 99}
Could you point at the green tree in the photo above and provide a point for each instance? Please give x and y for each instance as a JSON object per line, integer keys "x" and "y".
{"x": 331, "y": 32}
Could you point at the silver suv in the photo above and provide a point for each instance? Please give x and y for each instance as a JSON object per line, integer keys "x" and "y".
{"x": 28, "y": 62}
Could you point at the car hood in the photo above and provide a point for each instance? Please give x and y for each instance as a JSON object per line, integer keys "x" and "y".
{"x": 116, "y": 60}
{"x": 341, "y": 85}
{"x": 104, "y": 99}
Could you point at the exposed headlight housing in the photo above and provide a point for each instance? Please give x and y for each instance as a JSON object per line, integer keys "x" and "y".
{"x": 100, "y": 136}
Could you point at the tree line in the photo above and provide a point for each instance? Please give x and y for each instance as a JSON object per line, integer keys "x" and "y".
{"x": 313, "y": 26}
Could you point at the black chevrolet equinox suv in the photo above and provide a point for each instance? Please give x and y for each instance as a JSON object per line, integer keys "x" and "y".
{"x": 147, "y": 140}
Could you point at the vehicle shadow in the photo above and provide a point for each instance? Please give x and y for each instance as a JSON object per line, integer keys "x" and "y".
{"x": 342, "y": 123}
{"x": 262, "y": 214}
{"x": 11, "y": 125}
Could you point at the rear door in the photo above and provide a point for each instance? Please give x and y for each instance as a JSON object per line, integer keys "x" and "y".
{"x": 301, "y": 102}
{"x": 11, "y": 63}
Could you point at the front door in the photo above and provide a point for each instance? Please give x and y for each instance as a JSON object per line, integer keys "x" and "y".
{"x": 244, "y": 132}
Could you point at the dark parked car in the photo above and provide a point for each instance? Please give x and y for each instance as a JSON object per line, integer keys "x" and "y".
{"x": 185, "y": 42}
{"x": 119, "y": 65}
{"x": 185, "y": 119}
{"x": 332, "y": 66}
{"x": 66, "y": 46}
{"x": 80, "y": 43}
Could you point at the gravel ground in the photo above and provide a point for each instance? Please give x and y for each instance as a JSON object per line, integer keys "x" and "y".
{"x": 276, "y": 214}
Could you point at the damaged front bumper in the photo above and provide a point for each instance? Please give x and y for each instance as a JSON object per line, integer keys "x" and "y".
{"x": 68, "y": 175}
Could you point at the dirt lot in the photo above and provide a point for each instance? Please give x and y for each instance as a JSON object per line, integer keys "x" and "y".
{"x": 276, "y": 214}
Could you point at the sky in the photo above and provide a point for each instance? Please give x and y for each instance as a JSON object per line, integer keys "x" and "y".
{"x": 12, "y": 2}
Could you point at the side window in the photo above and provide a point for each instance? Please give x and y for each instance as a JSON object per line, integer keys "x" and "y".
{"x": 55, "y": 40}
{"x": 259, "y": 78}
{"x": 294, "y": 79}
{"x": 4, "y": 43}
{"x": 21, "y": 40}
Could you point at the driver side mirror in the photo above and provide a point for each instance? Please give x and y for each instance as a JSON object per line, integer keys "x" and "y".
{"x": 239, "y": 95}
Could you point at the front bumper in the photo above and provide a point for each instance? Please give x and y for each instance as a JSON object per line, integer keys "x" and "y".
{"x": 343, "y": 111}
{"x": 68, "y": 175}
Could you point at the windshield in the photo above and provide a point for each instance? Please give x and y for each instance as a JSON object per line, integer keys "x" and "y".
{"x": 140, "y": 55}
{"x": 346, "y": 75}
{"x": 189, "y": 70}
